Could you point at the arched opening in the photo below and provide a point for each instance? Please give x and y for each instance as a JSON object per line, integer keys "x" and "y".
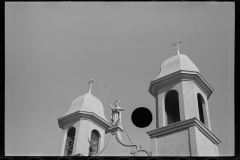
{"x": 201, "y": 104}
{"x": 172, "y": 107}
{"x": 70, "y": 141}
{"x": 94, "y": 142}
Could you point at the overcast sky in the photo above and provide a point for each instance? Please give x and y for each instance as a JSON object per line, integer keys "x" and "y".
{"x": 52, "y": 49}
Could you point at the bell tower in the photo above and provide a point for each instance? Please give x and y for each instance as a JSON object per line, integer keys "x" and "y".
{"x": 183, "y": 125}
{"x": 83, "y": 125}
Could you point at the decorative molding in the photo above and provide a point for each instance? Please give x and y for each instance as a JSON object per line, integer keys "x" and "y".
{"x": 114, "y": 129}
{"x": 97, "y": 124}
{"x": 79, "y": 154}
{"x": 178, "y": 77}
{"x": 159, "y": 132}
{"x": 83, "y": 114}
{"x": 119, "y": 140}
{"x": 142, "y": 150}
{"x": 138, "y": 148}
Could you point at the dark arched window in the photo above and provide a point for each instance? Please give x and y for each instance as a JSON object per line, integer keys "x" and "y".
{"x": 172, "y": 107}
{"x": 201, "y": 104}
{"x": 94, "y": 142}
{"x": 70, "y": 141}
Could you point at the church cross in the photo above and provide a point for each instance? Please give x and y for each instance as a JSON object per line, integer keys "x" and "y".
{"x": 178, "y": 41}
{"x": 90, "y": 84}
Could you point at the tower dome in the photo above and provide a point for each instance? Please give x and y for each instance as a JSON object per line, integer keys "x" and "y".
{"x": 177, "y": 63}
{"x": 87, "y": 103}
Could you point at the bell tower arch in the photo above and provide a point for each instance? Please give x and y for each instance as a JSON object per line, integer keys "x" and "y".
{"x": 172, "y": 107}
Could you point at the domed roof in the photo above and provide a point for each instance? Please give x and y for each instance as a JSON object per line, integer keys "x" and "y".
{"x": 177, "y": 63}
{"x": 87, "y": 103}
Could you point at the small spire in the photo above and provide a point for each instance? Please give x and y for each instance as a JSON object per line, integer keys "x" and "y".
{"x": 177, "y": 42}
{"x": 90, "y": 84}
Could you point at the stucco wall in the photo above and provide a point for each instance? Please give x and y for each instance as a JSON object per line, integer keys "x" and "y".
{"x": 190, "y": 103}
{"x": 154, "y": 146}
{"x": 176, "y": 144}
{"x": 205, "y": 147}
{"x": 115, "y": 148}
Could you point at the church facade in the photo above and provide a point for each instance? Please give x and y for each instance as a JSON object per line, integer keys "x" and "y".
{"x": 183, "y": 126}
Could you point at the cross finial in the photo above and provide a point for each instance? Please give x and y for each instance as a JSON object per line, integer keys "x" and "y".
{"x": 177, "y": 42}
{"x": 90, "y": 84}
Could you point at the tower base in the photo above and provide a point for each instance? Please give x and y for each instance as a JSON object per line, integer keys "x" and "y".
{"x": 185, "y": 138}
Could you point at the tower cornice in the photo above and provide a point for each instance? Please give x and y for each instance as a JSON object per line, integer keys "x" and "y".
{"x": 178, "y": 76}
{"x": 83, "y": 115}
{"x": 184, "y": 125}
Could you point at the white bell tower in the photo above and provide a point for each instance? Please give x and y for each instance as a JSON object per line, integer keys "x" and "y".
{"x": 84, "y": 123}
{"x": 183, "y": 125}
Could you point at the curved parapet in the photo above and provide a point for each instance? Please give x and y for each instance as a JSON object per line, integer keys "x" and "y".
{"x": 116, "y": 147}
{"x": 142, "y": 153}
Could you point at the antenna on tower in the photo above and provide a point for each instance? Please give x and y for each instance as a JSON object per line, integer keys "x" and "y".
{"x": 107, "y": 92}
{"x": 100, "y": 92}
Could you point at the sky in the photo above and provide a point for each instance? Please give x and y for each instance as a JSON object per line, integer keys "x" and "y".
{"x": 52, "y": 49}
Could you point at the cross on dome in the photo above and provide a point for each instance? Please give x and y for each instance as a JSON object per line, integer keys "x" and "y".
{"x": 90, "y": 84}
{"x": 177, "y": 42}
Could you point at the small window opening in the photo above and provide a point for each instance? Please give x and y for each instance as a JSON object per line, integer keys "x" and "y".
{"x": 201, "y": 103}
{"x": 70, "y": 142}
{"x": 94, "y": 143}
{"x": 172, "y": 107}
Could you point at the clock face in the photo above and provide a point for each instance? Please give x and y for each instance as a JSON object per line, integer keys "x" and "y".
{"x": 141, "y": 117}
